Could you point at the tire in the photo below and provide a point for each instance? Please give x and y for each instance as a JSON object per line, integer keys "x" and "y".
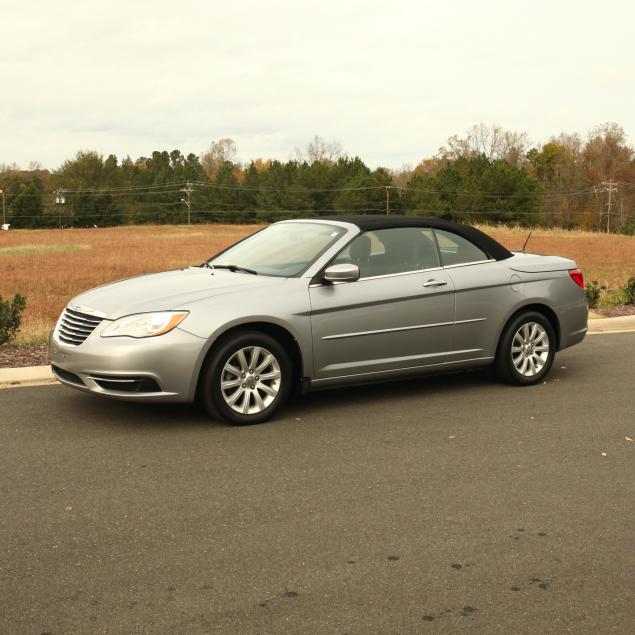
{"x": 239, "y": 393}
{"x": 523, "y": 357}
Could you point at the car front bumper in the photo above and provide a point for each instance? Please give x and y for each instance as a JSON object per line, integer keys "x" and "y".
{"x": 152, "y": 369}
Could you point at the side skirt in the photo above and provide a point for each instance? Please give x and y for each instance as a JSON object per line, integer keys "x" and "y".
{"x": 393, "y": 375}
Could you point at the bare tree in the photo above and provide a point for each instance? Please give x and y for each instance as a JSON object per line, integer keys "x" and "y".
{"x": 401, "y": 176}
{"x": 607, "y": 154}
{"x": 492, "y": 141}
{"x": 6, "y": 168}
{"x": 320, "y": 150}
{"x": 218, "y": 152}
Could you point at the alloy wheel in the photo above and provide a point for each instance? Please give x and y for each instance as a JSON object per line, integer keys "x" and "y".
{"x": 530, "y": 349}
{"x": 250, "y": 380}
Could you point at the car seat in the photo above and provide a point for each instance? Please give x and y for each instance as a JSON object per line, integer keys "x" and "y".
{"x": 360, "y": 253}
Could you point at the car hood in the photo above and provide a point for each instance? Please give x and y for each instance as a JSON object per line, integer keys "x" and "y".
{"x": 167, "y": 290}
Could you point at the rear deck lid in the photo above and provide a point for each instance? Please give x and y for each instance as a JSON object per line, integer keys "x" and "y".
{"x": 535, "y": 263}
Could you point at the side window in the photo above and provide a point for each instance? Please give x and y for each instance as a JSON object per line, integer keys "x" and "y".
{"x": 456, "y": 250}
{"x": 388, "y": 251}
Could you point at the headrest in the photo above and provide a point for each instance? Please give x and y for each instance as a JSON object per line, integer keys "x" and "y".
{"x": 360, "y": 249}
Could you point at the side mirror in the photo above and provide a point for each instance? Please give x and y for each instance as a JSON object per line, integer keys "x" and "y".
{"x": 341, "y": 273}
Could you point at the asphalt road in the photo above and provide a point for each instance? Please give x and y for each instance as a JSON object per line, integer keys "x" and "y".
{"x": 436, "y": 505}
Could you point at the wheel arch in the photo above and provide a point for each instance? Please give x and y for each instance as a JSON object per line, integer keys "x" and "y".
{"x": 538, "y": 307}
{"x": 279, "y": 333}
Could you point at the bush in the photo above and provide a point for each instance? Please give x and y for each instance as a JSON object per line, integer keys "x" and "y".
{"x": 10, "y": 317}
{"x": 629, "y": 291}
{"x": 593, "y": 292}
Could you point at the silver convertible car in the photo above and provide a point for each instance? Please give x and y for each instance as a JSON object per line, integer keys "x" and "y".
{"x": 309, "y": 304}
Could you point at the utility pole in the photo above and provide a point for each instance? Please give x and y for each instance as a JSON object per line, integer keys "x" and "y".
{"x": 60, "y": 199}
{"x": 188, "y": 189}
{"x": 388, "y": 199}
{"x": 4, "y": 216}
{"x": 610, "y": 187}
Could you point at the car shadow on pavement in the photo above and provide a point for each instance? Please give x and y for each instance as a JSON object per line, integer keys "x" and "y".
{"x": 386, "y": 393}
{"x": 108, "y": 412}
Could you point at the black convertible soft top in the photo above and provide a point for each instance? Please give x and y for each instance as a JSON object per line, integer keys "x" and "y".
{"x": 371, "y": 222}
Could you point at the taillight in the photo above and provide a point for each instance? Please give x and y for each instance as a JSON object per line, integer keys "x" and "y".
{"x": 577, "y": 276}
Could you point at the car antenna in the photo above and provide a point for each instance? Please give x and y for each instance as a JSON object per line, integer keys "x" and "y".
{"x": 525, "y": 245}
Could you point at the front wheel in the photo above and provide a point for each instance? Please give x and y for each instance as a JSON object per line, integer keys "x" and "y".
{"x": 247, "y": 379}
{"x": 526, "y": 350}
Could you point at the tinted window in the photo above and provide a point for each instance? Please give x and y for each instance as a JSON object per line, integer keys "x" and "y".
{"x": 456, "y": 250}
{"x": 387, "y": 251}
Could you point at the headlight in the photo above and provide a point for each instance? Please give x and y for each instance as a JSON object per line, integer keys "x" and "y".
{"x": 145, "y": 324}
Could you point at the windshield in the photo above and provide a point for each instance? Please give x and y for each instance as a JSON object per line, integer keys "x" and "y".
{"x": 282, "y": 249}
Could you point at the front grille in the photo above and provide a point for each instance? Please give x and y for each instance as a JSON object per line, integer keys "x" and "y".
{"x": 75, "y": 327}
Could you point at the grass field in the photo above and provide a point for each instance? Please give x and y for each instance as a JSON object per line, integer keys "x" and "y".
{"x": 51, "y": 266}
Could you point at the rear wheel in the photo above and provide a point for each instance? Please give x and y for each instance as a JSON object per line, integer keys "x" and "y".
{"x": 526, "y": 349}
{"x": 247, "y": 379}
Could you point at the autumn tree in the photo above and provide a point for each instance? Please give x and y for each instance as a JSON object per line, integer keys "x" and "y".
{"x": 319, "y": 150}
{"x": 218, "y": 153}
{"x": 493, "y": 142}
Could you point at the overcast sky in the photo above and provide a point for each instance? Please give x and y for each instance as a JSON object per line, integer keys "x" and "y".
{"x": 389, "y": 80}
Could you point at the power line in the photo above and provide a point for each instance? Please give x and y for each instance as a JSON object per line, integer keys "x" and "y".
{"x": 130, "y": 187}
{"x": 188, "y": 189}
{"x": 610, "y": 187}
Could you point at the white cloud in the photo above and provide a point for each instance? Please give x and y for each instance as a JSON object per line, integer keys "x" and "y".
{"x": 389, "y": 80}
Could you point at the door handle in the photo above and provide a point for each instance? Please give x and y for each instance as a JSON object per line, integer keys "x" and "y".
{"x": 435, "y": 283}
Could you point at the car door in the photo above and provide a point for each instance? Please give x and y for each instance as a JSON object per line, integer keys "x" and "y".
{"x": 483, "y": 296}
{"x": 398, "y": 315}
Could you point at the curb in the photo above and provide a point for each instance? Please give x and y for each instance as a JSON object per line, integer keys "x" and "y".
{"x": 43, "y": 376}
{"x": 623, "y": 324}
{"x": 26, "y": 376}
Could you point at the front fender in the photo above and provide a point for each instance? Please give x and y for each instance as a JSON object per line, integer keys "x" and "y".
{"x": 290, "y": 311}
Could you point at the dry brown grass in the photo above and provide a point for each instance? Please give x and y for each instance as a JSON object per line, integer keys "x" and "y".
{"x": 84, "y": 258}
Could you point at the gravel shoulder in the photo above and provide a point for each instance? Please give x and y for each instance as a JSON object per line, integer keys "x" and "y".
{"x": 617, "y": 311}
{"x": 22, "y": 355}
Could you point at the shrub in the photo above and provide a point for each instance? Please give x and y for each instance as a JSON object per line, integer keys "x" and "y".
{"x": 629, "y": 291}
{"x": 628, "y": 230}
{"x": 10, "y": 317}
{"x": 593, "y": 292}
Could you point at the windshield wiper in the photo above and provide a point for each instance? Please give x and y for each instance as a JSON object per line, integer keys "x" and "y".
{"x": 235, "y": 268}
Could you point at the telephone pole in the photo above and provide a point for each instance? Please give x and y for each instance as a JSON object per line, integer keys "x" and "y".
{"x": 4, "y": 216}
{"x": 188, "y": 189}
{"x": 388, "y": 199}
{"x": 60, "y": 199}
{"x": 610, "y": 187}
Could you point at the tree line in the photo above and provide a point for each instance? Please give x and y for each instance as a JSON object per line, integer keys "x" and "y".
{"x": 489, "y": 175}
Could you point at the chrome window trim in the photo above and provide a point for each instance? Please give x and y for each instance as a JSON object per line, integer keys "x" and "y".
{"x": 467, "y": 264}
{"x": 401, "y": 273}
